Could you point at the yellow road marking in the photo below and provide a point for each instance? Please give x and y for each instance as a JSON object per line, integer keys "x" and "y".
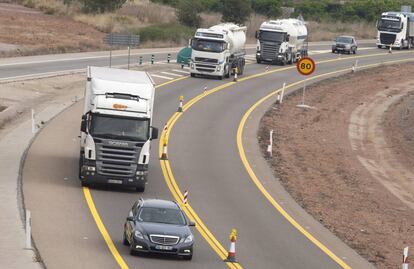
{"x": 172, "y": 185}
{"x": 169, "y": 177}
{"x": 259, "y": 184}
{"x": 102, "y": 229}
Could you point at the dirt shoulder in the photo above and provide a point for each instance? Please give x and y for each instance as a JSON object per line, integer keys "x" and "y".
{"x": 26, "y": 31}
{"x": 349, "y": 161}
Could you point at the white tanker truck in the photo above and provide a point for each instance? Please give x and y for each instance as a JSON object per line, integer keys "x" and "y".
{"x": 281, "y": 41}
{"x": 216, "y": 51}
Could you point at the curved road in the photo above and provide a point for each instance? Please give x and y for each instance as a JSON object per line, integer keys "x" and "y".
{"x": 204, "y": 158}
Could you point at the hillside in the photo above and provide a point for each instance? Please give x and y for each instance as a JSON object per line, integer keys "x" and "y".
{"x": 48, "y": 26}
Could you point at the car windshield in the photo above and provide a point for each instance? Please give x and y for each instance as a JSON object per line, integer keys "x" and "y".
{"x": 272, "y": 36}
{"x": 385, "y": 25}
{"x": 343, "y": 39}
{"x": 161, "y": 215}
{"x": 208, "y": 45}
{"x": 119, "y": 127}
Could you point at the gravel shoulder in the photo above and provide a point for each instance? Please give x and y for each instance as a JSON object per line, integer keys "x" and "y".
{"x": 348, "y": 162}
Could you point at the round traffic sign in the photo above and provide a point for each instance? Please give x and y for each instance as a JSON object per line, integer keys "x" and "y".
{"x": 306, "y": 66}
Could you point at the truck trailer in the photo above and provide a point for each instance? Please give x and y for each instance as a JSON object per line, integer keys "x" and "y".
{"x": 396, "y": 29}
{"x": 281, "y": 41}
{"x": 218, "y": 50}
{"x": 116, "y": 127}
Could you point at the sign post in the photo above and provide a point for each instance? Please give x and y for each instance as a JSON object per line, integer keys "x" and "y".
{"x": 305, "y": 66}
{"x": 121, "y": 40}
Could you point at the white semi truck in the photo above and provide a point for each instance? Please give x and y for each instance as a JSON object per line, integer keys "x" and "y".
{"x": 116, "y": 127}
{"x": 396, "y": 29}
{"x": 281, "y": 41}
{"x": 218, "y": 50}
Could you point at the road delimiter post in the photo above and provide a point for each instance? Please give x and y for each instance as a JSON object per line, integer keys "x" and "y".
{"x": 185, "y": 198}
{"x": 180, "y": 107}
{"x": 152, "y": 58}
{"x": 28, "y": 230}
{"x": 168, "y": 57}
{"x": 164, "y": 144}
{"x": 140, "y": 60}
{"x": 405, "y": 259}
{"x": 33, "y": 122}
{"x": 236, "y": 70}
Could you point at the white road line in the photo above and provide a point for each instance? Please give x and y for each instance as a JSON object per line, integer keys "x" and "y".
{"x": 180, "y": 71}
{"x": 252, "y": 57}
{"x": 171, "y": 74}
{"x": 163, "y": 77}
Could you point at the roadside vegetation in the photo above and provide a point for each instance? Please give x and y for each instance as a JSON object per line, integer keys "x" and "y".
{"x": 164, "y": 23}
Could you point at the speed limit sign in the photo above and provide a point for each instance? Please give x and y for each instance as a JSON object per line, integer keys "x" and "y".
{"x": 306, "y": 66}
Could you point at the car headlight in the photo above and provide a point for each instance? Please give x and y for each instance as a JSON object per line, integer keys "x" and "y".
{"x": 189, "y": 239}
{"x": 138, "y": 234}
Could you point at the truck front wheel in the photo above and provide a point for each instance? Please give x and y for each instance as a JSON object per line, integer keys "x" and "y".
{"x": 140, "y": 187}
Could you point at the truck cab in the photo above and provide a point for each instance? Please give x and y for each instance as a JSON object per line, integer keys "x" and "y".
{"x": 396, "y": 30}
{"x": 116, "y": 128}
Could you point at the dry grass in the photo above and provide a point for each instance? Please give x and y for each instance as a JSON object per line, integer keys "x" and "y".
{"x": 329, "y": 30}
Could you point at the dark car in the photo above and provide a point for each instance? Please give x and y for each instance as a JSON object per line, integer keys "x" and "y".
{"x": 158, "y": 226}
{"x": 346, "y": 44}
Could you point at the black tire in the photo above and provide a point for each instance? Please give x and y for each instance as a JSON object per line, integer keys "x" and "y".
{"x": 125, "y": 241}
{"x": 258, "y": 60}
{"x": 132, "y": 251}
{"x": 333, "y": 51}
{"x": 354, "y": 51}
{"x": 188, "y": 258}
{"x": 379, "y": 46}
{"x": 192, "y": 75}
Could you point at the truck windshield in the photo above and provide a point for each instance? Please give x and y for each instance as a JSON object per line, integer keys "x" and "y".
{"x": 121, "y": 128}
{"x": 272, "y": 36}
{"x": 389, "y": 25}
{"x": 208, "y": 45}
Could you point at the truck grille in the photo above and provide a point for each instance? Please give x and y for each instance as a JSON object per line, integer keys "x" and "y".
{"x": 270, "y": 51}
{"x": 166, "y": 240}
{"x": 206, "y": 60}
{"x": 118, "y": 161}
{"x": 387, "y": 39}
{"x": 205, "y": 67}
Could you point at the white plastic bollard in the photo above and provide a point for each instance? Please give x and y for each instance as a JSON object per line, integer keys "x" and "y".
{"x": 33, "y": 122}
{"x": 270, "y": 146}
{"x": 28, "y": 230}
{"x": 405, "y": 258}
{"x": 283, "y": 92}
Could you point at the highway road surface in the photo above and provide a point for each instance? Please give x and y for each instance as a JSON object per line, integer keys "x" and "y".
{"x": 82, "y": 228}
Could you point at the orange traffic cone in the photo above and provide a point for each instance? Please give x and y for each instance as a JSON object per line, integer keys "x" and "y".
{"x": 231, "y": 256}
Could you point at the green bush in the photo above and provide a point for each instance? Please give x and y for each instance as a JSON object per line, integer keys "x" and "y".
{"x": 237, "y": 11}
{"x": 188, "y": 13}
{"x": 100, "y": 6}
{"x": 269, "y": 8}
{"x": 166, "y": 32}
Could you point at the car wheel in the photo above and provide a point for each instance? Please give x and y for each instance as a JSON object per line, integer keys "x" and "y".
{"x": 125, "y": 240}
{"x": 188, "y": 258}
{"x": 333, "y": 51}
{"x": 132, "y": 250}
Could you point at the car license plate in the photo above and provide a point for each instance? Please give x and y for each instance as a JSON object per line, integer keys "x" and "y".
{"x": 115, "y": 181}
{"x": 163, "y": 247}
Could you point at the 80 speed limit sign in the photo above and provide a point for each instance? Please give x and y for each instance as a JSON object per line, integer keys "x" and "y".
{"x": 306, "y": 66}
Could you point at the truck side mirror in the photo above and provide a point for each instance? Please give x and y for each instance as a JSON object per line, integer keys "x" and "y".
{"x": 190, "y": 42}
{"x": 83, "y": 124}
{"x": 154, "y": 133}
{"x": 257, "y": 35}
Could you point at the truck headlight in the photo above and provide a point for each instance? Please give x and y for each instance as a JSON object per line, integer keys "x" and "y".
{"x": 218, "y": 68}
{"x": 189, "y": 239}
{"x": 141, "y": 173}
{"x": 192, "y": 66}
{"x": 89, "y": 168}
{"x": 138, "y": 234}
